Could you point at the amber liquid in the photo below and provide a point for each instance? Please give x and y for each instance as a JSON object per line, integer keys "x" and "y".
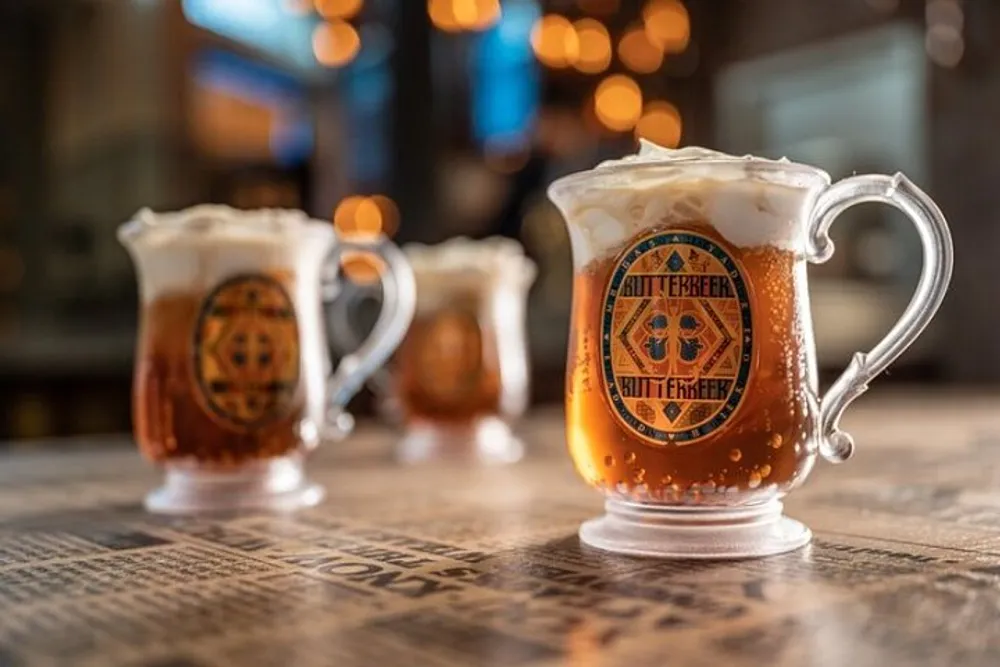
{"x": 173, "y": 413}
{"x": 448, "y": 368}
{"x": 768, "y": 442}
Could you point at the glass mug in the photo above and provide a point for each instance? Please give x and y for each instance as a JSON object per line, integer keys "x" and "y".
{"x": 460, "y": 378}
{"x": 232, "y": 383}
{"x": 692, "y": 400}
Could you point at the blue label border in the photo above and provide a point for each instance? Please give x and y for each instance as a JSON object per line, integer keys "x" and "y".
{"x": 743, "y": 374}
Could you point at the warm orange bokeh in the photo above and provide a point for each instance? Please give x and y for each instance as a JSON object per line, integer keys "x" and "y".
{"x": 555, "y": 41}
{"x": 667, "y": 24}
{"x": 338, "y": 9}
{"x": 638, "y": 53}
{"x": 660, "y": 123}
{"x": 595, "y": 46}
{"x": 618, "y": 102}
{"x": 459, "y": 15}
{"x": 335, "y": 43}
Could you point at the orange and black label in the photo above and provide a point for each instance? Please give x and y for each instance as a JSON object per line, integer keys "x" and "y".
{"x": 448, "y": 356}
{"x": 676, "y": 337}
{"x": 246, "y": 352}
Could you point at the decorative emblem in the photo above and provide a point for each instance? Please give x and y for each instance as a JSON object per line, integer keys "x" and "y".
{"x": 449, "y": 356}
{"x": 676, "y": 337}
{"x": 246, "y": 352}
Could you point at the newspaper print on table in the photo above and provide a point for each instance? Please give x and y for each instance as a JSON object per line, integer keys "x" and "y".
{"x": 482, "y": 566}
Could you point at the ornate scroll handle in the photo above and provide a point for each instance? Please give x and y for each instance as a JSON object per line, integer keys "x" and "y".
{"x": 897, "y": 191}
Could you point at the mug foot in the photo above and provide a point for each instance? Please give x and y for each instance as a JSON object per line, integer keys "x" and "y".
{"x": 701, "y": 533}
{"x": 278, "y": 485}
{"x": 488, "y": 440}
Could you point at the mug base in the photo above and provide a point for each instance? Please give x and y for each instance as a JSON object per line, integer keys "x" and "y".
{"x": 277, "y": 485}
{"x": 694, "y": 533}
{"x": 488, "y": 440}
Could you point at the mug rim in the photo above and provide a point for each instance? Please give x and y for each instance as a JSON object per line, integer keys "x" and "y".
{"x": 789, "y": 174}
{"x": 147, "y": 221}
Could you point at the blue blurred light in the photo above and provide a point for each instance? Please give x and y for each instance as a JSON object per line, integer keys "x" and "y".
{"x": 506, "y": 78}
{"x": 263, "y": 24}
{"x": 292, "y": 138}
{"x": 368, "y": 90}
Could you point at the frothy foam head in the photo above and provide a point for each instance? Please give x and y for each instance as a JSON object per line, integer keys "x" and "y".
{"x": 196, "y": 248}
{"x": 215, "y": 223}
{"x": 750, "y": 201}
{"x": 466, "y": 264}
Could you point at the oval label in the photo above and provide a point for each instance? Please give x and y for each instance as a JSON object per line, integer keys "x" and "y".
{"x": 246, "y": 352}
{"x": 676, "y": 337}
{"x": 449, "y": 356}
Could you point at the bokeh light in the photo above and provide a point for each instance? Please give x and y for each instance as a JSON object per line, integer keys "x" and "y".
{"x": 361, "y": 268}
{"x": 667, "y": 24}
{"x": 442, "y": 15}
{"x": 618, "y": 102}
{"x": 338, "y": 9}
{"x": 599, "y": 7}
{"x": 594, "y": 46}
{"x": 335, "y": 43}
{"x": 476, "y": 14}
{"x": 365, "y": 217}
{"x": 945, "y": 45}
{"x": 638, "y": 53}
{"x": 389, "y": 212}
{"x": 660, "y": 123}
{"x": 345, "y": 214}
{"x": 459, "y": 15}
{"x": 555, "y": 41}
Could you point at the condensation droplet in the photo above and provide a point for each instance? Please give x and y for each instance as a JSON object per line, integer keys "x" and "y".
{"x": 735, "y": 455}
{"x": 765, "y": 470}
{"x": 629, "y": 458}
{"x": 609, "y": 461}
{"x": 775, "y": 441}
{"x": 754, "y": 481}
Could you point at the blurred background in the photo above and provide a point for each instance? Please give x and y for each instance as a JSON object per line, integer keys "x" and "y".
{"x": 430, "y": 119}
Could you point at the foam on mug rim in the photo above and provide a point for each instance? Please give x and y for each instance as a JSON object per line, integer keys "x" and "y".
{"x": 600, "y": 203}
{"x": 217, "y": 223}
{"x": 494, "y": 257}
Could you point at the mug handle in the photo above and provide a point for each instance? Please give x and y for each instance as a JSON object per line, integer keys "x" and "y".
{"x": 346, "y": 336}
{"x": 399, "y": 296}
{"x": 897, "y": 191}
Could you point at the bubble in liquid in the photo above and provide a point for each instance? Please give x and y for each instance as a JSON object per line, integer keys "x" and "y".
{"x": 775, "y": 441}
{"x": 609, "y": 461}
{"x": 639, "y": 474}
{"x": 735, "y": 455}
{"x": 666, "y": 479}
{"x": 754, "y": 481}
{"x": 629, "y": 458}
{"x": 765, "y": 470}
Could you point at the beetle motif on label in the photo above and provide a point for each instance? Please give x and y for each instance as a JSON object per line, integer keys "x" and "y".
{"x": 246, "y": 352}
{"x": 676, "y": 337}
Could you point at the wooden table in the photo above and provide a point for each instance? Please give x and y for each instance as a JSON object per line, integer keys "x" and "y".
{"x": 456, "y": 565}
